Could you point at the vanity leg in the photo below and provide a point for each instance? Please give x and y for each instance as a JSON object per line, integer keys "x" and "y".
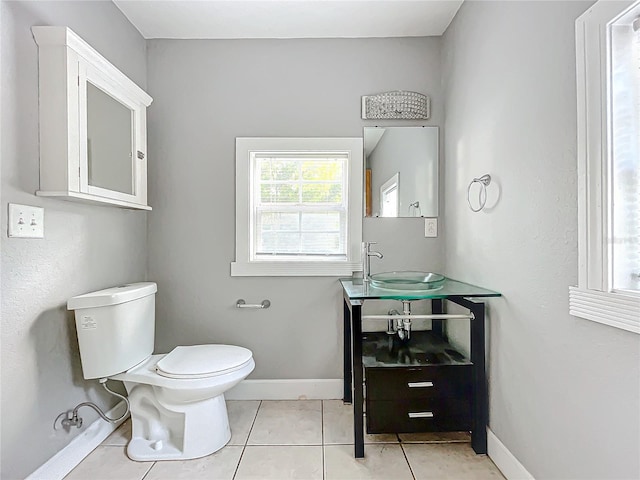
{"x": 480, "y": 400}
{"x": 347, "y": 395}
{"x": 358, "y": 396}
{"x": 480, "y": 403}
{"x": 437, "y": 325}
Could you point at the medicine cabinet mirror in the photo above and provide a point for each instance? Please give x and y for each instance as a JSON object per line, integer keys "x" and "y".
{"x": 110, "y": 142}
{"x": 92, "y": 125}
{"x": 401, "y": 171}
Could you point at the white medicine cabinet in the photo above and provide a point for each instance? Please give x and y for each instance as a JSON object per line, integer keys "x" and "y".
{"x": 93, "y": 138}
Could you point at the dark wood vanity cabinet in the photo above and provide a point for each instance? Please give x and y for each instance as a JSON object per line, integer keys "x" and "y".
{"x": 418, "y": 399}
{"x": 432, "y": 392}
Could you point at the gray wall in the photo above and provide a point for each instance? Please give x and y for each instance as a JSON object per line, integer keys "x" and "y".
{"x": 564, "y": 391}
{"x": 85, "y": 247}
{"x": 207, "y": 93}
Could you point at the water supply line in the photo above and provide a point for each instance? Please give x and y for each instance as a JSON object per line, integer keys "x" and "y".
{"x": 404, "y": 324}
{"x": 71, "y": 418}
{"x": 398, "y": 323}
{"x": 390, "y": 326}
{"x": 391, "y": 329}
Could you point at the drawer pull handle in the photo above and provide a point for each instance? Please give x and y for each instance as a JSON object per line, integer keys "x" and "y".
{"x": 420, "y": 414}
{"x": 420, "y": 384}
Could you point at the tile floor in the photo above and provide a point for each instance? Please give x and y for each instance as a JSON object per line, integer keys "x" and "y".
{"x": 305, "y": 439}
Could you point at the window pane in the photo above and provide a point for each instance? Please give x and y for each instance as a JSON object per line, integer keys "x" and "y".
{"x": 279, "y": 242}
{"x": 278, "y": 169}
{"x": 279, "y": 193}
{"x": 322, "y": 169}
{"x": 321, "y": 243}
{"x": 322, "y": 193}
{"x": 275, "y": 221}
{"x": 625, "y": 165}
{"x": 321, "y": 222}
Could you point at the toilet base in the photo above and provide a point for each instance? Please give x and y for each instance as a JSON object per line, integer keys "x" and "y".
{"x": 164, "y": 430}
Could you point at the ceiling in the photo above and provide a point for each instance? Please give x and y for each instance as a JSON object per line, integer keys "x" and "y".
{"x": 218, "y": 19}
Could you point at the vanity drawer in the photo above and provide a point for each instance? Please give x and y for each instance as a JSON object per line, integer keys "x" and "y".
{"x": 430, "y": 415}
{"x": 406, "y": 383}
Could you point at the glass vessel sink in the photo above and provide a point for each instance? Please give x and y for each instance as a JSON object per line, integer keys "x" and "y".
{"x": 407, "y": 280}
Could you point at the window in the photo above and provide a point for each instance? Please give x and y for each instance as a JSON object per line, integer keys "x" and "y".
{"x": 298, "y": 210}
{"x": 625, "y": 152}
{"x": 389, "y": 201}
{"x": 608, "y": 74}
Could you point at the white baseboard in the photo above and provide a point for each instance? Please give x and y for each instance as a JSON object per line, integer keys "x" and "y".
{"x": 58, "y": 466}
{"x": 297, "y": 389}
{"x": 508, "y": 464}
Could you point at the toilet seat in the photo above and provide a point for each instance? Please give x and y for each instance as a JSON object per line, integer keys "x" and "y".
{"x": 203, "y": 361}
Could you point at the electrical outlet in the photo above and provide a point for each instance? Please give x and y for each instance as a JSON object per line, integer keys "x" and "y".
{"x": 25, "y": 221}
{"x": 430, "y": 227}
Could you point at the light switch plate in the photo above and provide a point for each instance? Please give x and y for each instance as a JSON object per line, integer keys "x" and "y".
{"x": 430, "y": 227}
{"x": 25, "y": 221}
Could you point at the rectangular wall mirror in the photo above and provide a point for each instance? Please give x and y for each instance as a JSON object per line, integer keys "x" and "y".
{"x": 401, "y": 171}
{"x": 110, "y": 142}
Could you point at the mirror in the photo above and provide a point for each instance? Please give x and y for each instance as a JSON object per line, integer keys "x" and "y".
{"x": 109, "y": 142}
{"x": 401, "y": 171}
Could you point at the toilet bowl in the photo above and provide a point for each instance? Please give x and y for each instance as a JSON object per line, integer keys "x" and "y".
{"x": 164, "y": 408}
{"x": 177, "y": 404}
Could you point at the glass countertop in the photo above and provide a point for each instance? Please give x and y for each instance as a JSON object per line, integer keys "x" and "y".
{"x": 356, "y": 289}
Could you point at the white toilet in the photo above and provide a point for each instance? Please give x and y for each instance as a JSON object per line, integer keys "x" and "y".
{"x": 177, "y": 399}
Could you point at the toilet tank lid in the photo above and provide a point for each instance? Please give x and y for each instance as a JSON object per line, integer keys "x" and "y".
{"x": 112, "y": 296}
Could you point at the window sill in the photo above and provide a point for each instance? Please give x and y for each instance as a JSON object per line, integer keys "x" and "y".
{"x": 294, "y": 269}
{"x": 613, "y": 309}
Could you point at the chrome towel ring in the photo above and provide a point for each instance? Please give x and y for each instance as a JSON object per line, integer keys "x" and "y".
{"x": 484, "y": 181}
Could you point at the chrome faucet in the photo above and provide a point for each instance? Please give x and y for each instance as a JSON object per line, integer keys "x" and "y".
{"x": 366, "y": 259}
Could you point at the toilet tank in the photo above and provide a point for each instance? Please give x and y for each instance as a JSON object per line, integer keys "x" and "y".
{"x": 116, "y": 328}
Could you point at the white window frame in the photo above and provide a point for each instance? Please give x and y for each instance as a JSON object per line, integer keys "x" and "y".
{"x": 244, "y": 265}
{"x": 593, "y": 298}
